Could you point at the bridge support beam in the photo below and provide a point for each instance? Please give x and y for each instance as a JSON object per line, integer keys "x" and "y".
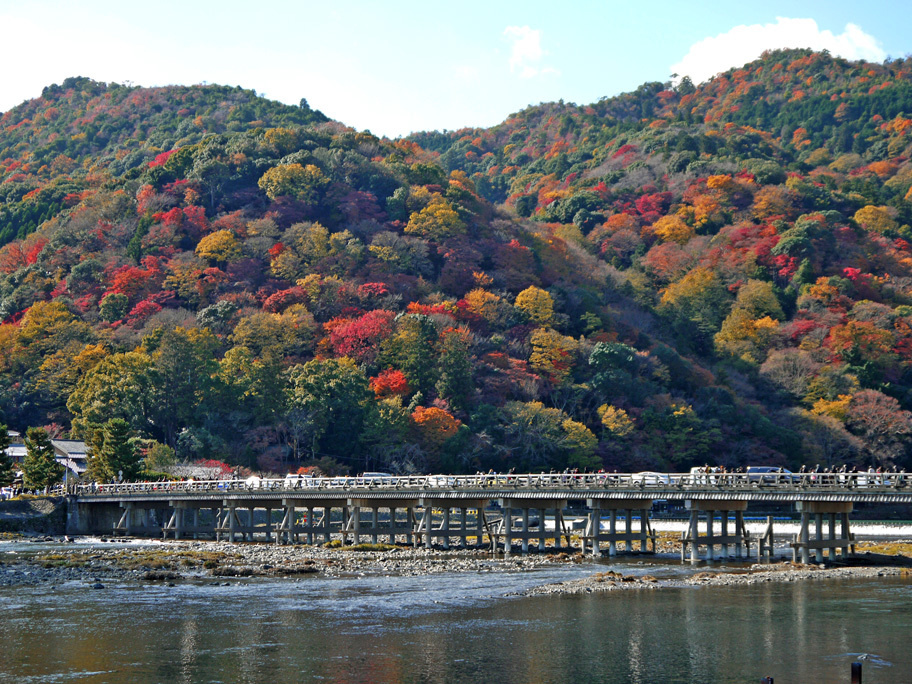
{"x": 595, "y": 536}
{"x": 804, "y": 544}
{"x": 530, "y": 528}
{"x": 692, "y": 540}
{"x": 458, "y": 527}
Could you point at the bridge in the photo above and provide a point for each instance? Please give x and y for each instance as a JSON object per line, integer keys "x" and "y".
{"x": 444, "y": 509}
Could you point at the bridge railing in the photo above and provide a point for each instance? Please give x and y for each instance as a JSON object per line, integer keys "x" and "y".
{"x": 646, "y": 481}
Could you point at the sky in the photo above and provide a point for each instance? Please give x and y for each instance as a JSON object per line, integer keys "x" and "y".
{"x": 395, "y": 67}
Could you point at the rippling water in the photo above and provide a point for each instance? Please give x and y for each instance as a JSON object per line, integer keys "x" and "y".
{"x": 455, "y": 628}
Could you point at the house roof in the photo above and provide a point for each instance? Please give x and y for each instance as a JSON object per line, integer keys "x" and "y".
{"x": 16, "y": 452}
{"x": 70, "y": 447}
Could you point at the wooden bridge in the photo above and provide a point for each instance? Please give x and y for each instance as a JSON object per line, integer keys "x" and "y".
{"x": 498, "y": 510}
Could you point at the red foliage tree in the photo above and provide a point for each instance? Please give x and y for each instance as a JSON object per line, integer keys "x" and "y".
{"x": 390, "y": 382}
{"x": 360, "y": 338}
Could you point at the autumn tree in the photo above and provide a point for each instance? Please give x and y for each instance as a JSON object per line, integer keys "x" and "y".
{"x": 220, "y": 248}
{"x": 537, "y": 304}
{"x": 493, "y": 309}
{"x": 882, "y": 424}
{"x": 436, "y": 221}
{"x": 389, "y": 383}
{"x": 876, "y": 219}
{"x": 616, "y": 421}
{"x": 673, "y": 229}
{"x": 435, "y": 426}
{"x": 360, "y": 338}
{"x": 303, "y": 183}
{"x": 748, "y": 329}
{"x": 553, "y": 354}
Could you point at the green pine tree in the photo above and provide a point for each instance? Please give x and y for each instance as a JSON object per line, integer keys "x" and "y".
{"x": 40, "y": 469}
{"x": 119, "y": 454}
{"x": 7, "y": 471}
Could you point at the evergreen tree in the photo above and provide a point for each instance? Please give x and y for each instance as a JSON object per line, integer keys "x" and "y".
{"x": 455, "y": 369}
{"x": 40, "y": 469}
{"x": 6, "y": 463}
{"x": 119, "y": 455}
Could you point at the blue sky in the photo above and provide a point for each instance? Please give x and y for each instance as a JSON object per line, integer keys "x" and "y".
{"x": 397, "y": 67}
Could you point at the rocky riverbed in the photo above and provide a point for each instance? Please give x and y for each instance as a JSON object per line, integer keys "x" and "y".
{"x": 755, "y": 574}
{"x": 52, "y": 560}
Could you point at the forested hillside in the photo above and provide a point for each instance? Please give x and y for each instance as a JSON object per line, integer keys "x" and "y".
{"x": 670, "y": 277}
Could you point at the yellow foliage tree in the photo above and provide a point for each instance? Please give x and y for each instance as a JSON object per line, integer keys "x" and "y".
{"x": 537, "y": 304}
{"x": 436, "y": 221}
{"x": 837, "y": 408}
{"x": 772, "y": 200}
{"x": 553, "y": 354}
{"x": 219, "y": 247}
{"x": 615, "y": 420}
{"x": 672, "y": 228}
{"x": 745, "y": 337}
{"x": 489, "y": 306}
{"x": 283, "y": 140}
{"x": 293, "y": 180}
{"x": 722, "y": 182}
{"x": 877, "y": 219}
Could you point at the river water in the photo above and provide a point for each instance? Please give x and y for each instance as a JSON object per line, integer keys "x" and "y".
{"x": 464, "y": 629}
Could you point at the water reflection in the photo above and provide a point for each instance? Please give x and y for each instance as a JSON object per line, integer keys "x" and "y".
{"x": 455, "y": 629}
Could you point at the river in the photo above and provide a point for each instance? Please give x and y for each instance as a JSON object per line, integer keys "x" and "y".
{"x": 464, "y": 628}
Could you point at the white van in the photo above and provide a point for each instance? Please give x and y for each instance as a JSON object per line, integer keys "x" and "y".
{"x": 704, "y": 475}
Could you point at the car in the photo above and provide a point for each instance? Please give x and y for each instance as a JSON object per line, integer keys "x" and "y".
{"x": 440, "y": 481}
{"x": 374, "y": 478}
{"x": 705, "y": 475}
{"x": 298, "y": 480}
{"x": 649, "y": 478}
{"x": 771, "y": 475}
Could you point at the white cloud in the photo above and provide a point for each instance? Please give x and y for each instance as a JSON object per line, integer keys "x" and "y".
{"x": 743, "y": 44}
{"x": 526, "y": 52}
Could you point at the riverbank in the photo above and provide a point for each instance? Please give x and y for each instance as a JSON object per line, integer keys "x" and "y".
{"x": 33, "y": 515}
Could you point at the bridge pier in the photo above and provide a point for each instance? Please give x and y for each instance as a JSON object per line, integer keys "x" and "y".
{"x": 450, "y": 526}
{"x": 803, "y": 544}
{"x": 693, "y": 539}
{"x": 595, "y": 536}
{"x": 526, "y": 533}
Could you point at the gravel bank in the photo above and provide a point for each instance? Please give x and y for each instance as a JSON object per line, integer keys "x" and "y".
{"x": 756, "y": 574}
{"x": 52, "y": 561}
{"x": 176, "y": 560}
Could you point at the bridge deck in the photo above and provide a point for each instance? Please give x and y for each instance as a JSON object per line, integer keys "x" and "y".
{"x": 854, "y": 488}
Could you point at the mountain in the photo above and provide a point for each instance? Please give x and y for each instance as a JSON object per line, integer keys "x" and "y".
{"x": 679, "y": 275}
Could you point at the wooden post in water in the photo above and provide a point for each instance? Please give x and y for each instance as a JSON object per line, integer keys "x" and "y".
{"x": 508, "y": 530}
{"x": 856, "y": 673}
{"x": 741, "y": 534}
{"x": 805, "y": 536}
{"x": 541, "y": 529}
{"x": 724, "y": 534}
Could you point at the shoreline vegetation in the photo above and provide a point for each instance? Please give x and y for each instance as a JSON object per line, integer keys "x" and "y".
{"x": 51, "y": 561}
